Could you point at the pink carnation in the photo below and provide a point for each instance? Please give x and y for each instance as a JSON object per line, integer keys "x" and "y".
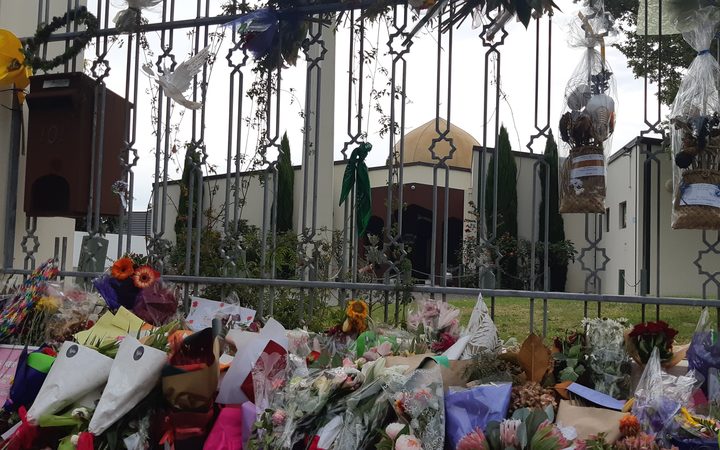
{"x": 408, "y": 442}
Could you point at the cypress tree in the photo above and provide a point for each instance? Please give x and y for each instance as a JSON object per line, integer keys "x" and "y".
{"x": 507, "y": 189}
{"x": 286, "y": 182}
{"x": 506, "y": 235}
{"x": 192, "y": 160}
{"x": 556, "y": 226}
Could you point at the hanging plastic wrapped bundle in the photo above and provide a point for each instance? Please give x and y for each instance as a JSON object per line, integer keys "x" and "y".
{"x": 588, "y": 121}
{"x": 695, "y": 128}
{"x": 130, "y": 18}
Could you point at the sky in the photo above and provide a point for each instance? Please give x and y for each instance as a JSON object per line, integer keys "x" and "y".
{"x": 517, "y": 85}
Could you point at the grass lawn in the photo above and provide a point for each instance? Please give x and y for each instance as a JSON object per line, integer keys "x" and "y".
{"x": 512, "y": 315}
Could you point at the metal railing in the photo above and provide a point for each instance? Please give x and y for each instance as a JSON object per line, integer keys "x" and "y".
{"x": 254, "y": 109}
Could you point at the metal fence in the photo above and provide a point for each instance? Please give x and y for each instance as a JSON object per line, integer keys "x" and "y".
{"x": 326, "y": 264}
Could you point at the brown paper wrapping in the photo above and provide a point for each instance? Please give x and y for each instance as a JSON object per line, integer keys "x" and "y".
{"x": 590, "y": 421}
{"x": 452, "y": 376}
{"x": 193, "y": 391}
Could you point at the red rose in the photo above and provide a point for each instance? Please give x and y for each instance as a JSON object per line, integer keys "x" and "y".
{"x": 655, "y": 327}
{"x": 312, "y": 357}
{"x": 638, "y": 330}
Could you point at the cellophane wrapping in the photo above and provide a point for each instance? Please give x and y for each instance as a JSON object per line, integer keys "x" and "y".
{"x": 695, "y": 129}
{"x": 588, "y": 119}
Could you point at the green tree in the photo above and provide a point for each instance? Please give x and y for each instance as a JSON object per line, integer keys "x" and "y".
{"x": 555, "y": 224}
{"x": 657, "y": 57}
{"x": 286, "y": 182}
{"x": 507, "y": 188}
{"x": 506, "y": 196}
{"x": 192, "y": 161}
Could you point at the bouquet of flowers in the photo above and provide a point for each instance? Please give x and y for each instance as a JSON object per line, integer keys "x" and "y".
{"x": 704, "y": 350}
{"x": 77, "y": 371}
{"x": 644, "y": 337}
{"x": 570, "y": 355}
{"x": 419, "y": 403}
{"x": 365, "y": 410}
{"x": 397, "y": 436}
{"x": 608, "y": 359}
{"x": 470, "y": 409}
{"x": 133, "y": 283}
{"x": 436, "y": 322}
{"x": 659, "y": 396}
{"x": 526, "y": 429}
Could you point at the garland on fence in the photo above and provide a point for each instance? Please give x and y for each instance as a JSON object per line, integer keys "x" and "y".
{"x": 42, "y": 36}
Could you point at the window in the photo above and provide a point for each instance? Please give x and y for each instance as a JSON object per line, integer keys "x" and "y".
{"x": 607, "y": 220}
{"x": 621, "y": 282}
{"x": 623, "y": 215}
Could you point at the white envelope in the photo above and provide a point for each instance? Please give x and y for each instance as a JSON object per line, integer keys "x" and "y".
{"x": 249, "y": 348}
{"x": 77, "y": 371}
{"x": 135, "y": 372}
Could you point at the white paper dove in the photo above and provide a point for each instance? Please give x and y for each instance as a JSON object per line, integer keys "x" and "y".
{"x": 175, "y": 84}
{"x": 482, "y": 331}
{"x": 77, "y": 371}
{"x": 135, "y": 372}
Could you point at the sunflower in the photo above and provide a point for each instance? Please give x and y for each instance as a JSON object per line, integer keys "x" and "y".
{"x": 122, "y": 269}
{"x": 357, "y": 310}
{"x": 145, "y": 276}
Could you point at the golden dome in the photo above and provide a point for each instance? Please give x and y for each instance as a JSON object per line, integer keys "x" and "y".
{"x": 419, "y": 141}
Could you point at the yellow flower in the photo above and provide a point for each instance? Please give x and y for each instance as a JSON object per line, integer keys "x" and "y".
{"x": 48, "y": 304}
{"x": 357, "y": 310}
{"x": 12, "y": 67}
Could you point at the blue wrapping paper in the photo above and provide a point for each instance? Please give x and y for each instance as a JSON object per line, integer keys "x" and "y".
{"x": 26, "y": 384}
{"x": 704, "y": 352}
{"x": 473, "y": 408}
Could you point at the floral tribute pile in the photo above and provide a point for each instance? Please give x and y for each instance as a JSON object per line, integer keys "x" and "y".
{"x": 124, "y": 368}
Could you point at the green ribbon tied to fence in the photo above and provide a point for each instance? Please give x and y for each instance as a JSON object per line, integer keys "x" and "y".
{"x": 356, "y": 175}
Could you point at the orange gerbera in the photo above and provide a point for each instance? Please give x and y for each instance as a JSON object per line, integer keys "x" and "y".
{"x": 122, "y": 269}
{"x": 629, "y": 426}
{"x": 145, "y": 276}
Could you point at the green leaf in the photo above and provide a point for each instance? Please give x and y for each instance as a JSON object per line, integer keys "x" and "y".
{"x": 523, "y": 11}
{"x": 568, "y": 374}
{"x": 574, "y": 351}
{"x": 571, "y": 362}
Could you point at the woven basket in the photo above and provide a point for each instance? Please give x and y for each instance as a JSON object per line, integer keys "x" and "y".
{"x": 696, "y": 217}
{"x": 589, "y": 199}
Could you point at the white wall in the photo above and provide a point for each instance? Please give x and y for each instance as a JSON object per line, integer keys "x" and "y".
{"x": 20, "y": 17}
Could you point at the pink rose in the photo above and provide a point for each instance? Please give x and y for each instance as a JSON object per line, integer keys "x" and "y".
{"x": 278, "y": 417}
{"x": 408, "y": 442}
{"x": 394, "y": 429}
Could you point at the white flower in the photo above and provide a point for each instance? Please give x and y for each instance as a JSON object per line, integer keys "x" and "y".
{"x": 394, "y": 429}
{"x": 407, "y": 442}
{"x": 74, "y": 439}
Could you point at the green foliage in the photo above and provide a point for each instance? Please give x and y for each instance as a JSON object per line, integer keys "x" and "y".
{"x": 507, "y": 188}
{"x": 551, "y": 198}
{"x": 506, "y": 207}
{"x": 559, "y": 253}
{"x": 286, "y": 182}
{"x": 658, "y": 57}
{"x": 193, "y": 160}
